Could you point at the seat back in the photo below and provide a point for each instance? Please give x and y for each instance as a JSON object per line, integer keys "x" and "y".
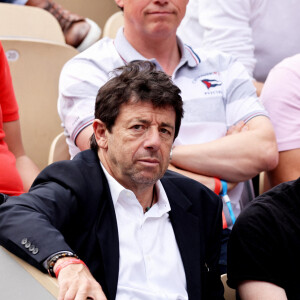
{"x": 21, "y": 21}
{"x": 19, "y": 280}
{"x": 59, "y": 149}
{"x": 96, "y": 10}
{"x": 113, "y": 24}
{"x": 35, "y": 69}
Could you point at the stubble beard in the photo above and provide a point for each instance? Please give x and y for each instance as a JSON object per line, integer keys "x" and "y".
{"x": 137, "y": 177}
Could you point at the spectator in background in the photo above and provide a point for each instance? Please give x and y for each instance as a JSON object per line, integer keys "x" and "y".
{"x": 216, "y": 90}
{"x": 258, "y": 33}
{"x": 281, "y": 98}
{"x": 79, "y": 32}
{"x": 17, "y": 171}
{"x": 264, "y": 246}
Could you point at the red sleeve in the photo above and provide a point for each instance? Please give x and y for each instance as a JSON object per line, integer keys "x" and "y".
{"x": 10, "y": 180}
{"x": 9, "y": 106}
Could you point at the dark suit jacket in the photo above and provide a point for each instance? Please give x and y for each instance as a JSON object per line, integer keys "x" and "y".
{"x": 69, "y": 207}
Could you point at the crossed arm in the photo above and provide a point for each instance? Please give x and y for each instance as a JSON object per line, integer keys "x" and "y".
{"x": 244, "y": 152}
{"x": 253, "y": 290}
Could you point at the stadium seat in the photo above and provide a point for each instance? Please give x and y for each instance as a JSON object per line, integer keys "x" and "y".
{"x": 35, "y": 68}
{"x": 113, "y": 24}
{"x": 28, "y": 22}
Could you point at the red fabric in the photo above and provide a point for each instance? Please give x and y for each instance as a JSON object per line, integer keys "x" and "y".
{"x": 68, "y": 262}
{"x": 224, "y": 221}
{"x": 217, "y": 185}
{"x": 10, "y": 180}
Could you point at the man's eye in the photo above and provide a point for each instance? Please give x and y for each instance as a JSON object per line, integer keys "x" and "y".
{"x": 165, "y": 131}
{"x": 137, "y": 127}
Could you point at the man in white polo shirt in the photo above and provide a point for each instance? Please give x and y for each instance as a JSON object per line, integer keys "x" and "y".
{"x": 216, "y": 90}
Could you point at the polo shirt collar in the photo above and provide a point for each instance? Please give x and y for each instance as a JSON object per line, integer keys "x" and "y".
{"x": 128, "y": 53}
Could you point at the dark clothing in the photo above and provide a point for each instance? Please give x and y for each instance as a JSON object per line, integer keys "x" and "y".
{"x": 223, "y": 255}
{"x": 265, "y": 241}
{"x": 69, "y": 207}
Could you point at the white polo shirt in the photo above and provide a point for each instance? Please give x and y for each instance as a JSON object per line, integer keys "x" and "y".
{"x": 216, "y": 90}
{"x": 150, "y": 266}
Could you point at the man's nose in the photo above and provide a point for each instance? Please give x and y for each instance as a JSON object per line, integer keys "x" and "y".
{"x": 152, "y": 139}
{"x": 161, "y": 2}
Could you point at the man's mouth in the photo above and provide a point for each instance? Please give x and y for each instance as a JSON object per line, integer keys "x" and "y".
{"x": 149, "y": 161}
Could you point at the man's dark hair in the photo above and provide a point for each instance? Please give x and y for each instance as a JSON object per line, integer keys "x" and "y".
{"x": 138, "y": 81}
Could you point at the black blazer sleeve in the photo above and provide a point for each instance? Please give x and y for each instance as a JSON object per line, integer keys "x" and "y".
{"x": 51, "y": 210}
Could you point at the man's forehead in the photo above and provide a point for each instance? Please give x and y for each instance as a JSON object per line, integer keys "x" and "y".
{"x": 146, "y": 111}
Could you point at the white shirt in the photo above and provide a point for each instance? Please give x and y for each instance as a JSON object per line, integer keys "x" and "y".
{"x": 259, "y": 33}
{"x": 150, "y": 264}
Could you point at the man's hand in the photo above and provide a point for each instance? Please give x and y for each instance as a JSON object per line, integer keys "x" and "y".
{"x": 237, "y": 128}
{"x": 77, "y": 283}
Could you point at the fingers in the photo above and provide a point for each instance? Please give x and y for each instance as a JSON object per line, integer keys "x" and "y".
{"x": 82, "y": 292}
{"x": 77, "y": 283}
{"x": 237, "y": 128}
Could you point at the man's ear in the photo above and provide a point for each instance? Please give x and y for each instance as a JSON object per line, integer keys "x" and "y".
{"x": 120, "y": 3}
{"x": 100, "y": 133}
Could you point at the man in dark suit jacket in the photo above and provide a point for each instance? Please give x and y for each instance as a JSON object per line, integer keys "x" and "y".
{"x": 72, "y": 209}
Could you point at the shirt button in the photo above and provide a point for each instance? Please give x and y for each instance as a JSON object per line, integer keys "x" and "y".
{"x": 31, "y": 248}
{"x": 27, "y": 245}
{"x": 24, "y": 241}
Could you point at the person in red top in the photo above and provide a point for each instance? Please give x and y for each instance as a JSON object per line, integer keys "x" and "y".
{"x": 17, "y": 171}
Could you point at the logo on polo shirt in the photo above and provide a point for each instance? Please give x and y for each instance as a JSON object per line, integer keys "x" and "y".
{"x": 210, "y": 83}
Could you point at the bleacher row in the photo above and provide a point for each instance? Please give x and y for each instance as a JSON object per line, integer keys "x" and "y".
{"x": 36, "y": 52}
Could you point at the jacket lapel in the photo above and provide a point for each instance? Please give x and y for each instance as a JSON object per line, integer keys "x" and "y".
{"x": 186, "y": 229}
{"x": 107, "y": 233}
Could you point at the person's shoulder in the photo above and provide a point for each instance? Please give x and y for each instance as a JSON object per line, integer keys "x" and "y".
{"x": 70, "y": 172}
{"x": 273, "y": 205}
{"x": 99, "y": 54}
{"x": 214, "y": 58}
{"x": 291, "y": 63}
{"x": 195, "y": 191}
{"x": 212, "y": 54}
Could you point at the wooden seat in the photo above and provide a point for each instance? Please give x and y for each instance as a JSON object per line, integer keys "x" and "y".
{"x": 59, "y": 149}
{"x": 96, "y": 10}
{"x": 19, "y": 280}
{"x": 113, "y": 24}
{"x": 28, "y": 22}
{"x": 35, "y": 68}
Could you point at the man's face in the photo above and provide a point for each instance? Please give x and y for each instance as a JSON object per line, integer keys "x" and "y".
{"x": 137, "y": 151}
{"x": 155, "y": 17}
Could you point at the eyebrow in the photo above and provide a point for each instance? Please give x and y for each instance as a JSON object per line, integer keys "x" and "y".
{"x": 163, "y": 124}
